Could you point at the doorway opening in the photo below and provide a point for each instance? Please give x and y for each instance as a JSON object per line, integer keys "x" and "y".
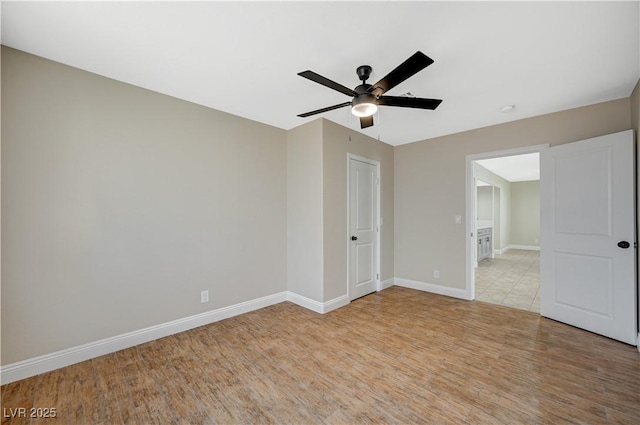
{"x": 503, "y": 224}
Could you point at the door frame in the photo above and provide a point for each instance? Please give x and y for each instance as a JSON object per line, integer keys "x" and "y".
{"x": 470, "y": 207}
{"x": 376, "y": 257}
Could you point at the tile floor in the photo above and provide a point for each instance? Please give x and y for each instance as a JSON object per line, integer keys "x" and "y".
{"x": 511, "y": 279}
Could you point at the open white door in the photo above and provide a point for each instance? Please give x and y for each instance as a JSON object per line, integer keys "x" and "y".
{"x": 587, "y": 235}
{"x": 363, "y": 227}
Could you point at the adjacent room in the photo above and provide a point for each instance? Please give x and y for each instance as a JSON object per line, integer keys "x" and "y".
{"x": 288, "y": 212}
{"x": 507, "y": 267}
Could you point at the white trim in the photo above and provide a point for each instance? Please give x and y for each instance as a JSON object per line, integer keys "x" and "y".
{"x": 525, "y": 247}
{"x": 436, "y": 289}
{"x": 335, "y": 303}
{"x": 500, "y": 251}
{"x": 388, "y": 283}
{"x": 48, "y": 362}
{"x": 317, "y": 306}
{"x": 305, "y": 302}
{"x": 510, "y": 247}
{"x": 470, "y": 205}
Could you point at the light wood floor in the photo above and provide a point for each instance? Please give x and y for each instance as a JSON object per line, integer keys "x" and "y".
{"x": 398, "y": 356}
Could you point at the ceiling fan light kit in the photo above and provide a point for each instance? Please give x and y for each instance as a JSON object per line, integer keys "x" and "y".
{"x": 367, "y": 97}
{"x": 364, "y": 105}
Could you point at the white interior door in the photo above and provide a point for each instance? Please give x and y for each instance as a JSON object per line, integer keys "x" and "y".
{"x": 363, "y": 228}
{"x": 587, "y": 235}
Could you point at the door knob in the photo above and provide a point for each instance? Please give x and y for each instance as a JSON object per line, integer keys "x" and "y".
{"x": 354, "y": 238}
{"x": 624, "y": 244}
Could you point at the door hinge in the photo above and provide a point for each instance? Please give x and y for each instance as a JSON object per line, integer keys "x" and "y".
{"x": 377, "y": 276}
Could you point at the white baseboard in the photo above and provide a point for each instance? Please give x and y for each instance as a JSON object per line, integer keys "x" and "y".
{"x": 48, "y": 362}
{"x": 387, "y": 283}
{"x": 317, "y": 306}
{"x": 436, "y": 289}
{"x": 525, "y": 247}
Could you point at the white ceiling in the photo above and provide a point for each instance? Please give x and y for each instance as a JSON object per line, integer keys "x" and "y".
{"x": 243, "y": 57}
{"x": 516, "y": 168}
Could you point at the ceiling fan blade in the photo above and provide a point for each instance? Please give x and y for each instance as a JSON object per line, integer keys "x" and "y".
{"x": 310, "y": 75}
{"x": 409, "y": 102}
{"x": 366, "y": 121}
{"x": 406, "y": 69}
{"x": 328, "y": 108}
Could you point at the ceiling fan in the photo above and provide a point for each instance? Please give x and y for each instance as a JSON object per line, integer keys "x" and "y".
{"x": 367, "y": 97}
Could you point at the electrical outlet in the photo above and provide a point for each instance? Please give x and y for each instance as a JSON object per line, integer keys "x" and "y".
{"x": 204, "y": 296}
{"x": 436, "y": 274}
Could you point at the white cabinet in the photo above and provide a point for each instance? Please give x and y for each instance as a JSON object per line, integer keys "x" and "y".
{"x": 484, "y": 243}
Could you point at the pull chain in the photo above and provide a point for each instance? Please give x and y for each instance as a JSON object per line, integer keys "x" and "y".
{"x": 350, "y": 122}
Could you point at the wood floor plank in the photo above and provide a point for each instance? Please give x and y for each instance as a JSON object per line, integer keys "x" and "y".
{"x": 147, "y": 398}
{"x": 83, "y": 404}
{"x": 50, "y": 397}
{"x": 114, "y": 400}
{"x": 18, "y": 397}
{"x": 398, "y": 356}
{"x": 164, "y": 357}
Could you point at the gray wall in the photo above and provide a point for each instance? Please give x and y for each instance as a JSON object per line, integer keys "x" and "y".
{"x": 484, "y": 203}
{"x": 501, "y": 232}
{"x": 304, "y": 211}
{"x": 519, "y": 208}
{"x": 317, "y": 207}
{"x": 430, "y": 183}
{"x": 338, "y": 143}
{"x": 525, "y": 213}
{"x": 120, "y": 205}
{"x": 497, "y": 218}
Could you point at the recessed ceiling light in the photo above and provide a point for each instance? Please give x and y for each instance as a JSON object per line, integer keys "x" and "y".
{"x": 508, "y": 108}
